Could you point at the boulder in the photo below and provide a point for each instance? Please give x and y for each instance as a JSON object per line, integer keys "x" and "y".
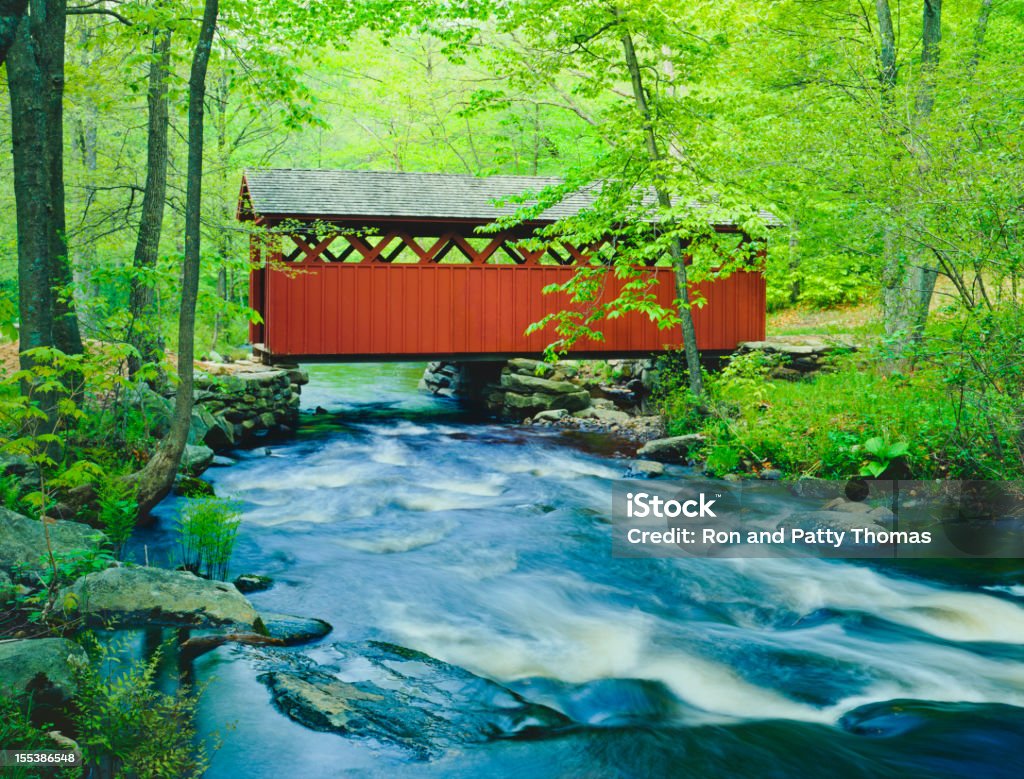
{"x": 193, "y": 487}
{"x": 645, "y": 469}
{"x": 551, "y": 415}
{"x": 524, "y": 405}
{"x": 202, "y": 422}
{"x": 7, "y": 589}
{"x": 23, "y": 543}
{"x": 670, "y": 450}
{"x": 849, "y": 506}
{"x": 40, "y": 667}
{"x": 251, "y": 582}
{"x": 604, "y": 415}
{"x": 526, "y": 367}
{"x": 810, "y": 487}
{"x": 517, "y": 382}
{"x": 830, "y": 520}
{"x": 21, "y": 469}
{"x": 155, "y": 596}
{"x": 196, "y": 459}
{"x": 158, "y": 410}
{"x": 294, "y": 630}
{"x": 414, "y": 701}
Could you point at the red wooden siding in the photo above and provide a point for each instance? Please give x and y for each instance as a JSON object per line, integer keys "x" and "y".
{"x": 359, "y": 310}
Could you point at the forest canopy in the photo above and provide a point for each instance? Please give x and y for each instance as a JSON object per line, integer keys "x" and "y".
{"x": 883, "y": 138}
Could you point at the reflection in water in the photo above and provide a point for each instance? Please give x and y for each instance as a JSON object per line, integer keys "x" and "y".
{"x": 396, "y": 517}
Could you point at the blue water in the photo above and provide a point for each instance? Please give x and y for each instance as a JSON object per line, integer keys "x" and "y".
{"x": 396, "y": 517}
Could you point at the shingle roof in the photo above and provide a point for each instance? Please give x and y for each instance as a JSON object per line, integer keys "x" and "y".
{"x": 413, "y": 196}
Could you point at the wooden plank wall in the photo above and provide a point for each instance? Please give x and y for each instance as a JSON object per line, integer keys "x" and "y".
{"x": 430, "y": 310}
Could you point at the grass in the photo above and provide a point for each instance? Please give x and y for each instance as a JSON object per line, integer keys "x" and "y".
{"x": 819, "y": 425}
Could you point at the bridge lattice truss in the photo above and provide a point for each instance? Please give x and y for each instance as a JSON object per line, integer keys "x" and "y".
{"x": 404, "y": 247}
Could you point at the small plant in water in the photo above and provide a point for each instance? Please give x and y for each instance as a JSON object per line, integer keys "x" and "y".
{"x": 207, "y": 528}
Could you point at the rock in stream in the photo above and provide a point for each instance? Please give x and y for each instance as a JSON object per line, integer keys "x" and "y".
{"x": 401, "y": 697}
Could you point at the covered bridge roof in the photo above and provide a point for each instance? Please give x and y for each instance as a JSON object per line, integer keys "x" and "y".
{"x": 358, "y": 194}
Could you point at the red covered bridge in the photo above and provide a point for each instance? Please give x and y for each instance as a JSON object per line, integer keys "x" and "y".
{"x": 362, "y": 265}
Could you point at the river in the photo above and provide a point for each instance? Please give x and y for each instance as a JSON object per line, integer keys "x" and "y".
{"x": 395, "y": 517}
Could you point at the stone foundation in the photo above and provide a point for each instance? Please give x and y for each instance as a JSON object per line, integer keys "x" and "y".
{"x": 235, "y": 404}
{"x": 521, "y": 388}
{"x": 798, "y": 355}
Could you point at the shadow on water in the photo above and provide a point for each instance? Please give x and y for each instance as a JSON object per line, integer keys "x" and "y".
{"x": 403, "y": 518}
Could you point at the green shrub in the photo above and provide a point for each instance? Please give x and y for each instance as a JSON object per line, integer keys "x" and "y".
{"x": 207, "y": 528}
{"x": 116, "y": 511}
{"x": 947, "y": 422}
{"x": 10, "y": 494}
{"x": 128, "y": 728}
{"x": 17, "y": 731}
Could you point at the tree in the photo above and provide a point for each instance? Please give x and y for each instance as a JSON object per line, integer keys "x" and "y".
{"x": 35, "y": 76}
{"x": 594, "y": 59}
{"x": 155, "y": 480}
{"x": 665, "y": 201}
{"x": 11, "y": 12}
{"x": 144, "y": 325}
{"x": 908, "y": 279}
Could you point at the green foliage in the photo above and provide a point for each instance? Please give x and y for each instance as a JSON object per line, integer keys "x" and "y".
{"x": 127, "y": 728}
{"x": 821, "y": 281}
{"x": 10, "y": 494}
{"x": 18, "y": 731}
{"x": 881, "y": 453}
{"x": 59, "y": 570}
{"x": 207, "y": 528}
{"x": 117, "y": 511}
{"x": 856, "y": 418}
{"x": 683, "y": 412}
{"x": 978, "y": 362}
{"x": 723, "y": 459}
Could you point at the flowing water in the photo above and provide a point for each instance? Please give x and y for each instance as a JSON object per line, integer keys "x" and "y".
{"x": 397, "y": 518}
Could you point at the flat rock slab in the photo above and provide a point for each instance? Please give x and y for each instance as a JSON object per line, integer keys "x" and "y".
{"x": 517, "y": 382}
{"x": 604, "y": 415}
{"x": 23, "y": 543}
{"x": 670, "y": 450}
{"x": 403, "y": 698}
{"x": 831, "y": 520}
{"x": 645, "y": 469}
{"x": 294, "y": 630}
{"x": 40, "y": 667}
{"x": 125, "y": 597}
{"x": 799, "y": 345}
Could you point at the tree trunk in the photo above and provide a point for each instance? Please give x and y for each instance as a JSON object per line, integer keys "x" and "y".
{"x": 87, "y": 140}
{"x": 144, "y": 330}
{"x": 908, "y": 280}
{"x": 664, "y": 199}
{"x": 156, "y": 479}
{"x": 887, "y": 44}
{"x": 11, "y": 12}
{"x": 35, "y": 75}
